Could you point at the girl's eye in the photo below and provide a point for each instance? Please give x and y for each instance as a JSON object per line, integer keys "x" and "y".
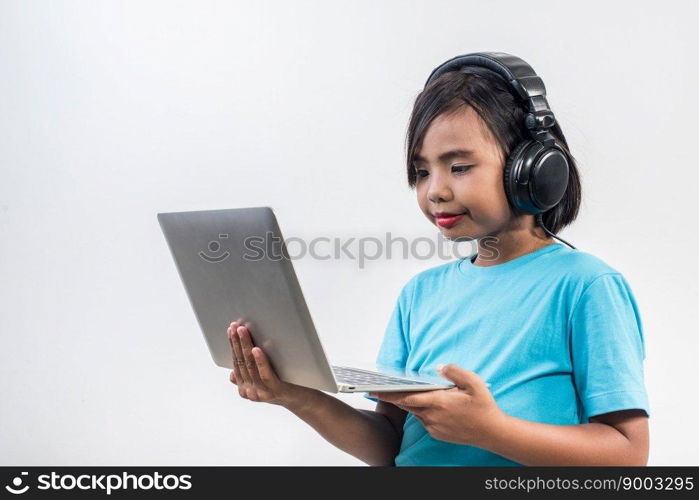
{"x": 461, "y": 168}
{"x": 421, "y": 172}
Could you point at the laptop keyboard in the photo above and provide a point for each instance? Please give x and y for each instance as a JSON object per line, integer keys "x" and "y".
{"x": 355, "y": 376}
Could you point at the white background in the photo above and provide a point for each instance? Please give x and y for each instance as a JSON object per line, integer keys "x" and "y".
{"x": 113, "y": 111}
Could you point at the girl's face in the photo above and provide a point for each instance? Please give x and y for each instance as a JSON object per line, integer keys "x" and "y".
{"x": 459, "y": 170}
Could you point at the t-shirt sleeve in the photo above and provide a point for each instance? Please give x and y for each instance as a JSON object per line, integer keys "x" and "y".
{"x": 608, "y": 348}
{"x": 395, "y": 346}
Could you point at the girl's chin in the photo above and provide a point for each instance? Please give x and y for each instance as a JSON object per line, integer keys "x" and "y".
{"x": 456, "y": 234}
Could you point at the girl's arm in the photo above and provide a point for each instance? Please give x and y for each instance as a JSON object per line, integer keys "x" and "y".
{"x": 374, "y": 437}
{"x": 616, "y": 438}
{"x": 468, "y": 414}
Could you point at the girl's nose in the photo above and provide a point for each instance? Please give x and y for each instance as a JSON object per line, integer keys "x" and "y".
{"x": 439, "y": 190}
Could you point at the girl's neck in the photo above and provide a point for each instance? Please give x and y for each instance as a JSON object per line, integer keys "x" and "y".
{"x": 509, "y": 244}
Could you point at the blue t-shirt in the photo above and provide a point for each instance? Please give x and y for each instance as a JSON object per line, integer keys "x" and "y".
{"x": 556, "y": 332}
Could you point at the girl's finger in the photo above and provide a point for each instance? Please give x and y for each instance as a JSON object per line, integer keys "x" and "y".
{"x": 264, "y": 368}
{"x": 230, "y": 341}
{"x": 239, "y": 359}
{"x": 247, "y": 345}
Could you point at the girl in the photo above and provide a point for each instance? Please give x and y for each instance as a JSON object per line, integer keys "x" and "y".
{"x": 555, "y": 331}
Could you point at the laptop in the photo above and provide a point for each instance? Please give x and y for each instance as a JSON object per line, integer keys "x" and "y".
{"x": 234, "y": 265}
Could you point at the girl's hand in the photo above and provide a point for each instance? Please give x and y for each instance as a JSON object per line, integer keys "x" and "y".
{"x": 255, "y": 377}
{"x": 465, "y": 414}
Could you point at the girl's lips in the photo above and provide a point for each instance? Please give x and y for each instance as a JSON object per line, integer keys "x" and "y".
{"x": 448, "y": 221}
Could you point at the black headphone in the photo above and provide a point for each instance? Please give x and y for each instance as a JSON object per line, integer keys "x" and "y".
{"x": 536, "y": 171}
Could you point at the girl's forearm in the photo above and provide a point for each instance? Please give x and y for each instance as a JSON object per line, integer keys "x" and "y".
{"x": 365, "y": 434}
{"x": 534, "y": 443}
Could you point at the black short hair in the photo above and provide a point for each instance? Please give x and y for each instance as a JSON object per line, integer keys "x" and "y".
{"x": 499, "y": 107}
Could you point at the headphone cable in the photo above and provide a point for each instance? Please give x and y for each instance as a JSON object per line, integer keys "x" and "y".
{"x": 540, "y": 220}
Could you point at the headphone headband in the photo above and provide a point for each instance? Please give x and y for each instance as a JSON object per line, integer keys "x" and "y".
{"x": 521, "y": 77}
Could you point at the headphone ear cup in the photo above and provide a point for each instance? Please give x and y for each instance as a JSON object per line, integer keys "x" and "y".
{"x": 508, "y": 175}
{"x": 549, "y": 178}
